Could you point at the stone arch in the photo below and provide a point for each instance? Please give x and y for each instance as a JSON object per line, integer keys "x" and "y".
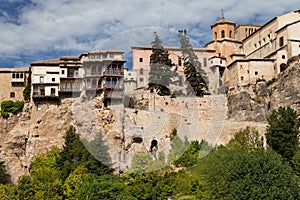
{"x": 222, "y": 34}
{"x": 283, "y": 67}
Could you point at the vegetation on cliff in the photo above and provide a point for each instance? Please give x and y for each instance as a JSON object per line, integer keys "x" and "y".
{"x": 243, "y": 169}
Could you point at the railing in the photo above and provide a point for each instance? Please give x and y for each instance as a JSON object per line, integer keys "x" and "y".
{"x": 114, "y": 72}
{"x": 38, "y": 93}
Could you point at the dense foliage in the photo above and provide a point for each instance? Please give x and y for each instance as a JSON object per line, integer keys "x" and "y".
{"x": 241, "y": 170}
{"x": 282, "y": 133}
{"x": 160, "y": 75}
{"x": 10, "y": 106}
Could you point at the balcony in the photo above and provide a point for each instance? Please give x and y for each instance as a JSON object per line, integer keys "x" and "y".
{"x": 113, "y": 73}
{"x": 70, "y": 89}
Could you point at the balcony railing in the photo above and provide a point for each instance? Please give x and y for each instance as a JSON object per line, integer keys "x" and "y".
{"x": 113, "y": 73}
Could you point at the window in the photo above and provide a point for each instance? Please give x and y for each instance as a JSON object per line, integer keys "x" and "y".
{"x": 38, "y": 106}
{"x": 230, "y": 34}
{"x": 141, "y": 71}
{"x": 92, "y": 56}
{"x": 62, "y": 71}
{"x": 179, "y": 61}
{"x": 216, "y": 35}
{"x": 12, "y": 95}
{"x": 111, "y": 55}
{"x": 283, "y": 56}
{"x": 256, "y": 72}
{"x": 52, "y": 91}
{"x": 17, "y": 75}
{"x": 222, "y": 34}
{"x": 53, "y": 79}
{"x": 205, "y": 62}
{"x": 41, "y": 79}
{"x": 141, "y": 79}
{"x": 242, "y": 78}
{"x": 220, "y": 61}
{"x": 141, "y": 59}
{"x": 281, "y": 42}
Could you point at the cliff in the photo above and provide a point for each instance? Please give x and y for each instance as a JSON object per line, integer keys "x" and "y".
{"x": 214, "y": 118}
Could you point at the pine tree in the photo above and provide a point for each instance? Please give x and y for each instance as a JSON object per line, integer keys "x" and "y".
{"x": 195, "y": 75}
{"x": 283, "y": 130}
{"x": 160, "y": 75}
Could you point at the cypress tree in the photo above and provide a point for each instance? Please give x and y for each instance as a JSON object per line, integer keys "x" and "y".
{"x": 160, "y": 75}
{"x": 195, "y": 75}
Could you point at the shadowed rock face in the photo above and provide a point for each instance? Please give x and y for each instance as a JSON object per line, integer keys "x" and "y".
{"x": 256, "y": 104}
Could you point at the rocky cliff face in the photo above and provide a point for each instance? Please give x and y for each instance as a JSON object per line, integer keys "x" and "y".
{"x": 257, "y": 101}
{"x": 214, "y": 118}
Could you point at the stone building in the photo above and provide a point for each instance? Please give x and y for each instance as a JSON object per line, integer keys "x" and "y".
{"x": 104, "y": 72}
{"x": 237, "y": 56}
{"x": 13, "y": 82}
{"x": 141, "y": 64}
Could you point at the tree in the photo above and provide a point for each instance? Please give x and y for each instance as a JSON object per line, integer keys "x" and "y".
{"x": 160, "y": 75}
{"x": 27, "y": 89}
{"x": 238, "y": 173}
{"x": 248, "y": 138}
{"x": 282, "y": 132}
{"x": 195, "y": 75}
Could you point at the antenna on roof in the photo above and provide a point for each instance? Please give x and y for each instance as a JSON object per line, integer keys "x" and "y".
{"x": 222, "y": 11}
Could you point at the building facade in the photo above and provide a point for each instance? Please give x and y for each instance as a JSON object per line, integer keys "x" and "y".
{"x": 13, "y": 82}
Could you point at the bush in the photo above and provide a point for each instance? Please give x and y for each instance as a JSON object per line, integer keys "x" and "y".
{"x": 270, "y": 82}
{"x": 4, "y": 114}
{"x": 10, "y": 106}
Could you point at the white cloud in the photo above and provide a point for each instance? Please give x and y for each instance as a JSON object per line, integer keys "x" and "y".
{"x": 80, "y": 25}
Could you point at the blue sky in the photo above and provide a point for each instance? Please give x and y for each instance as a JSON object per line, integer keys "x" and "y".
{"x": 33, "y": 30}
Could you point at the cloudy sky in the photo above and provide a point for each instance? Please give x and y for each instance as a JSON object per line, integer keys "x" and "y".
{"x": 33, "y": 30}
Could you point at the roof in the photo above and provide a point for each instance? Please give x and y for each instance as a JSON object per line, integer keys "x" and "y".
{"x": 223, "y": 21}
{"x": 46, "y": 62}
{"x": 172, "y": 48}
{"x": 14, "y": 70}
{"x": 69, "y": 58}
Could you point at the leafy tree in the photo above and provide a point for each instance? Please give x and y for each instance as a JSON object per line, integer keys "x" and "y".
{"x": 248, "y": 138}
{"x": 296, "y": 163}
{"x": 237, "y": 173}
{"x": 195, "y": 75}
{"x": 282, "y": 132}
{"x": 45, "y": 176}
{"x": 192, "y": 154}
{"x": 160, "y": 75}
{"x": 27, "y": 89}
{"x": 178, "y": 147}
{"x": 75, "y": 153}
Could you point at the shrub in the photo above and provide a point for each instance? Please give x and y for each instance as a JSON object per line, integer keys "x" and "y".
{"x": 270, "y": 82}
{"x": 4, "y": 114}
{"x": 10, "y": 106}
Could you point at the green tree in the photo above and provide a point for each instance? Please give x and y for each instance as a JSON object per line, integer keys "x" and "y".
{"x": 74, "y": 153}
{"x": 248, "y": 138}
{"x": 195, "y": 75}
{"x": 178, "y": 147}
{"x": 27, "y": 89}
{"x": 160, "y": 75}
{"x": 282, "y": 132}
{"x": 237, "y": 173}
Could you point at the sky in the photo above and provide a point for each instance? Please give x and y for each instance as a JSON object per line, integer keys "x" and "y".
{"x": 34, "y": 30}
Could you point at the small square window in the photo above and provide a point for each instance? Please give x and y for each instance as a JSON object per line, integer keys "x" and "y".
{"x": 12, "y": 95}
{"x": 53, "y": 79}
{"x": 256, "y": 72}
{"x": 141, "y": 59}
{"x": 62, "y": 71}
{"x": 283, "y": 56}
{"x": 141, "y": 79}
{"x": 242, "y": 78}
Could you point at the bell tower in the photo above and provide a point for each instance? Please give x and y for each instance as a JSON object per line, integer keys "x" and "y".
{"x": 223, "y": 29}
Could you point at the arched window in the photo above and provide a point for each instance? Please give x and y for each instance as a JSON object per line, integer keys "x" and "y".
{"x": 230, "y": 34}
{"x": 222, "y": 34}
{"x": 216, "y": 35}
